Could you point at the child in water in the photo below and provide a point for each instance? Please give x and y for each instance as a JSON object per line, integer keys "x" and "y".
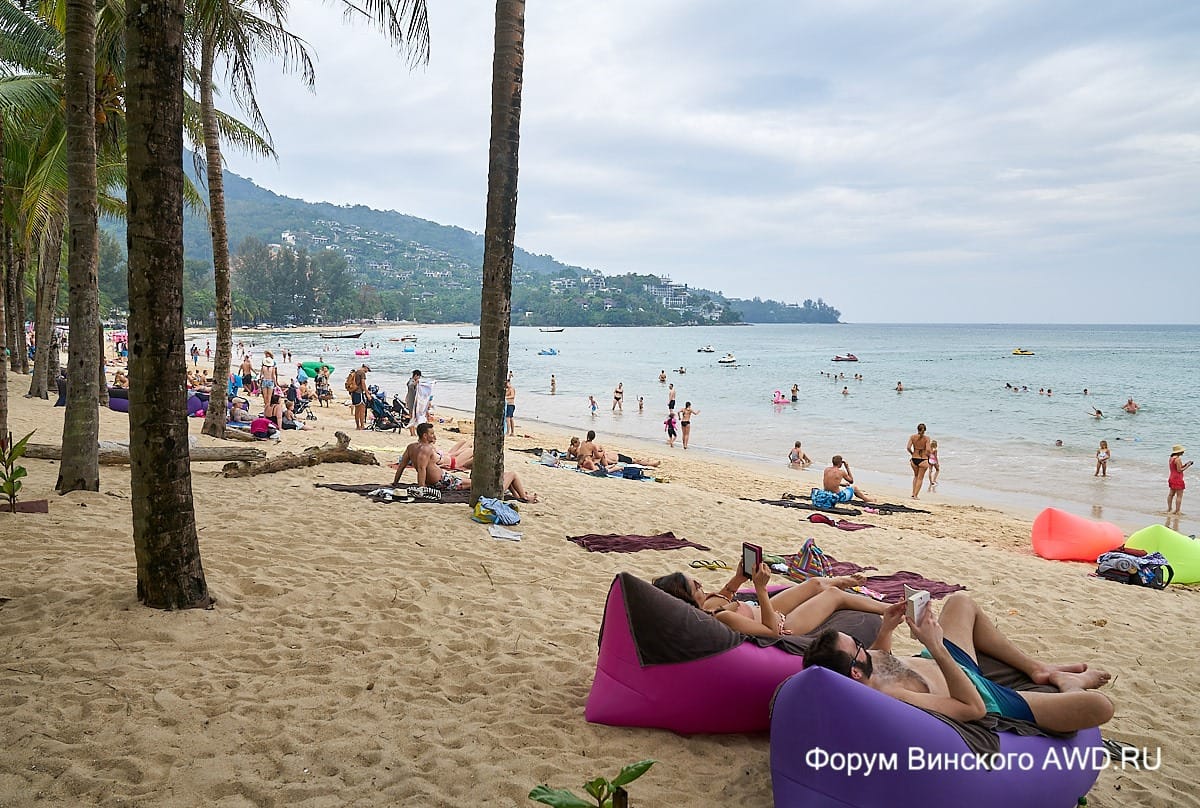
{"x": 592, "y": 405}
{"x": 670, "y": 426}
{"x": 935, "y": 468}
{"x": 1102, "y": 458}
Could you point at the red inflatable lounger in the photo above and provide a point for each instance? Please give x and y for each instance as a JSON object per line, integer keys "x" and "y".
{"x": 1062, "y": 536}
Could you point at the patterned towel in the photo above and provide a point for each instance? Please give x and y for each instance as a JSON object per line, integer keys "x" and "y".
{"x": 615, "y": 543}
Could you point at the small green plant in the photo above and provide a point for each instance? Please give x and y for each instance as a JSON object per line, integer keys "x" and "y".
{"x": 602, "y": 790}
{"x": 10, "y": 472}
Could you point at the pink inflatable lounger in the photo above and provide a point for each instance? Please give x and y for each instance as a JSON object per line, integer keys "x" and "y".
{"x": 820, "y": 717}
{"x": 664, "y": 663}
{"x": 1062, "y": 536}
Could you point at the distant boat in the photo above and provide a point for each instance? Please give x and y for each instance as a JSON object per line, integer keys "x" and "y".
{"x": 727, "y": 359}
{"x": 409, "y": 338}
{"x": 706, "y": 349}
{"x": 468, "y": 336}
{"x": 1021, "y": 352}
{"x": 847, "y": 358}
{"x": 548, "y": 352}
{"x": 551, "y": 330}
{"x": 342, "y": 335}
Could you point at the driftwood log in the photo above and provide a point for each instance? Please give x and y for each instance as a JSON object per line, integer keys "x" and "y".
{"x": 339, "y": 453}
{"x": 117, "y": 454}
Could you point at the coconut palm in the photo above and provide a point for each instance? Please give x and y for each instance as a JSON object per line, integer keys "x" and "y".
{"x": 170, "y": 574}
{"x": 498, "y": 236}
{"x": 221, "y": 28}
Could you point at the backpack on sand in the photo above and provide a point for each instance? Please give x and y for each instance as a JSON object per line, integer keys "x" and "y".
{"x": 1151, "y": 570}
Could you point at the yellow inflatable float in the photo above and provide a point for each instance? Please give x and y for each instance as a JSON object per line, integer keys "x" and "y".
{"x": 1182, "y": 553}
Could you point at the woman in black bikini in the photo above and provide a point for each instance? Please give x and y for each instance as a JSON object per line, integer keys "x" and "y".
{"x": 619, "y": 394}
{"x": 918, "y": 450}
{"x": 685, "y": 421}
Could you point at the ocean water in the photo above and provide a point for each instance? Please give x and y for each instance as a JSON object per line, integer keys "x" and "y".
{"x": 996, "y": 446}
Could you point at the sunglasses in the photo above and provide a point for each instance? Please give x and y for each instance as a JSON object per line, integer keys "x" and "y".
{"x": 859, "y": 647}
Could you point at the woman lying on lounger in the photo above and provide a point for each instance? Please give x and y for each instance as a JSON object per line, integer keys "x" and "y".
{"x": 796, "y": 610}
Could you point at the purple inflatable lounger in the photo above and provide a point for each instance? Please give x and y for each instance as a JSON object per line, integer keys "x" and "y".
{"x": 819, "y": 717}
{"x": 699, "y": 677}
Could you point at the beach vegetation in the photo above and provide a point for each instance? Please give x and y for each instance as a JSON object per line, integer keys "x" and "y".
{"x": 10, "y": 471}
{"x": 605, "y": 793}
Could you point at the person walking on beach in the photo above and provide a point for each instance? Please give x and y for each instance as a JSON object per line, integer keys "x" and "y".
{"x": 553, "y": 384}
{"x": 1175, "y": 482}
{"x": 592, "y": 405}
{"x": 935, "y": 465}
{"x": 268, "y": 378}
{"x": 641, "y": 403}
{"x": 685, "y": 421}
{"x": 1102, "y": 458}
{"x": 618, "y": 396}
{"x": 410, "y": 400}
{"x": 247, "y": 371}
{"x": 918, "y": 452}
{"x": 195, "y": 355}
{"x": 669, "y": 424}
{"x": 510, "y": 404}
{"x": 358, "y": 396}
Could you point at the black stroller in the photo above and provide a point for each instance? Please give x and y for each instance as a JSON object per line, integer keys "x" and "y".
{"x": 300, "y": 405}
{"x": 382, "y": 417}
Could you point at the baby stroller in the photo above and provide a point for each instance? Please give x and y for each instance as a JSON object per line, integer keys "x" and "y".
{"x": 300, "y": 404}
{"x": 382, "y": 417}
{"x": 400, "y": 410}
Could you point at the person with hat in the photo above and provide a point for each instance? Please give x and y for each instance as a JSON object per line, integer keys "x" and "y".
{"x": 1175, "y": 483}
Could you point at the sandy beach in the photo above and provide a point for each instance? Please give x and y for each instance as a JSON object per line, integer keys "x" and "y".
{"x": 366, "y": 654}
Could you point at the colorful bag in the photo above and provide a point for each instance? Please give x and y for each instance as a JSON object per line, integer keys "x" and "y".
{"x": 810, "y": 562}
{"x": 493, "y": 511}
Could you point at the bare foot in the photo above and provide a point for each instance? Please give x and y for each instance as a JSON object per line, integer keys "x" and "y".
{"x": 1044, "y": 671}
{"x": 533, "y": 497}
{"x": 1087, "y": 680}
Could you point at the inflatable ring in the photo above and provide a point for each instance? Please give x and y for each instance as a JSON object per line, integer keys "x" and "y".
{"x": 1182, "y": 553}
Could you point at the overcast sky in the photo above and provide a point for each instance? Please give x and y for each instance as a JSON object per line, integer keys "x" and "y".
{"x": 941, "y": 161}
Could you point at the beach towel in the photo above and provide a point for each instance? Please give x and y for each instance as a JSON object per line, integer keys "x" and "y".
{"x": 840, "y": 524}
{"x": 448, "y": 497}
{"x": 874, "y": 507}
{"x": 804, "y": 506}
{"x": 631, "y": 543}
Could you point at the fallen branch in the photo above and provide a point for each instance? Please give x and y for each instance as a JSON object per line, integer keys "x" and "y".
{"x": 117, "y": 454}
{"x": 339, "y": 453}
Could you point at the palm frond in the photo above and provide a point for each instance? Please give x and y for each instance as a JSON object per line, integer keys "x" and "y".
{"x": 404, "y": 22}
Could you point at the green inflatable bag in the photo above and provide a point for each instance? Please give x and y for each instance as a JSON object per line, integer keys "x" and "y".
{"x": 311, "y": 368}
{"x": 1182, "y": 553}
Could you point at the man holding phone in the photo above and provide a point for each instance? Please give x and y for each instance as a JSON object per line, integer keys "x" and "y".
{"x": 947, "y": 679}
{"x": 838, "y": 481}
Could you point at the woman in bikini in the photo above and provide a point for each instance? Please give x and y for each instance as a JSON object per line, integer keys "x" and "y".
{"x": 796, "y": 610}
{"x": 685, "y": 421}
{"x": 918, "y": 450}
{"x": 618, "y": 396}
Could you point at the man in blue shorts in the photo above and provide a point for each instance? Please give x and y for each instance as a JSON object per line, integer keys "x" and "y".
{"x": 839, "y": 482}
{"x": 946, "y": 678}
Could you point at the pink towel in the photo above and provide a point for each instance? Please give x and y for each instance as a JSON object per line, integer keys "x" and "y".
{"x": 614, "y": 543}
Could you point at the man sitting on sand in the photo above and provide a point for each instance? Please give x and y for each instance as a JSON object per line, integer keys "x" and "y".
{"x": 839, "y": 482}
{"x": 422, "y": 455}
{"x": 946, "y": 678}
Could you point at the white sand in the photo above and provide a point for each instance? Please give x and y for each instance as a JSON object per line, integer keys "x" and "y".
{"x": 367, "y": 654}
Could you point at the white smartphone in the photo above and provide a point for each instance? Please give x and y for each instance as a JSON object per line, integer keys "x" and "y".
{"x": 751, "y": 558}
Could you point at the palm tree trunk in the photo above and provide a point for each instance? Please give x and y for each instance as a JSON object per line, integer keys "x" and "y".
{"x": 17, "y": 285}
{"x": 5, "y": 268}
{"x": 13, "y": 282}
{"x": 214, "y": 418}
{"x": 79, "y": 469}
{"x": 498, "y": 236}
{"x": 46, "y": 303}
{"x": 169, "y": 572}
{"x": 101, "y": 377}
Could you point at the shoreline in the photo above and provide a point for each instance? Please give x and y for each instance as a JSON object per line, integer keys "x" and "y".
{"x": 362, "y": 653}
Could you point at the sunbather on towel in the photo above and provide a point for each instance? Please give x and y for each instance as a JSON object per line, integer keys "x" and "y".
{"x": 838, "y": 480}
{"x": 422, "y": 456}
{"x": 947, "y": 679}
{"x": 796, "y": 610}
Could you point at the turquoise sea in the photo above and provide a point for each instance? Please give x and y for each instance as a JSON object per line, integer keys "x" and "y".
{"x": 996, "y": 446}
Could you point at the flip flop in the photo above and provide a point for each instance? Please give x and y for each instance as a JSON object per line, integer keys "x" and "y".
{"x": 715, "y": 564}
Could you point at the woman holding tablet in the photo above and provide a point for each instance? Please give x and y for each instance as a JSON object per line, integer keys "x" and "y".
{"x": 796, "y": 610}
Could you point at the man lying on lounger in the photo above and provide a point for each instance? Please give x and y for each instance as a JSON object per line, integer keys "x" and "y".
{"x": 951, "y": 683}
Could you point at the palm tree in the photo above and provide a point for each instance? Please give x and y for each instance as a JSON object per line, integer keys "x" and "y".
{"x": 228, "y": 29}
{"x": 169, "y": 572}
{"x": 79, "y": 469}
{"x": 498, "y": 236}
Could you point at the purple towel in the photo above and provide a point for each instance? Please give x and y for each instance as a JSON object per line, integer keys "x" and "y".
{"x": 892, "y": 586}
{"x": 614, "y": 543}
